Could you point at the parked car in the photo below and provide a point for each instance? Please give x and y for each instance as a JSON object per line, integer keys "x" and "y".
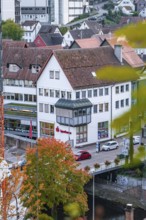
{"x": 82, "y": 155}
{"x": 136, "y": 139}
{"x": 110, "y": 146}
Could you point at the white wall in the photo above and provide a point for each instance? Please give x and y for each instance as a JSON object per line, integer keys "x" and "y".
{"x": 8, "y": 9}
{"x": 64, "y": 85}
{"x": 30, "y": 32}
{"x": 46, "y": 83}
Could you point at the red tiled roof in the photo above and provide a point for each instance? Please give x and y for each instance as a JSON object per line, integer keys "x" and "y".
{"x": 24, "y": 58}
{"x": 88, "y": 42}
{"x": 129, "y": 54}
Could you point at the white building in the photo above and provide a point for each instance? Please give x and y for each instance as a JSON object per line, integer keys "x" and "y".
{"x": 8, "y": 9}
{"x": 142, "y": 13}
{"x": 73, "y": 105}
{"x": 126, "y": 6}
{"x": 31, "y": 29}
{"x": 21, "y": 68}
{"x": 56, "y": 11}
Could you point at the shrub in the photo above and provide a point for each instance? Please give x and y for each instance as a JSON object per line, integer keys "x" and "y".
{"x": 138, "y": 172}
{"x": 116, "y": 160}
{"x": 96, "y": 165}
{"x": 87, "y": 168}
{"x": 107, "y": 163}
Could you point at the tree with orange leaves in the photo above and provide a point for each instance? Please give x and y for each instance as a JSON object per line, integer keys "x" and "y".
{"x": 52, "y": 178}
{"x": 10, "y": 189}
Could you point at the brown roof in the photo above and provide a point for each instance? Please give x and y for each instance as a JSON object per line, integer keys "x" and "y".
{"x": 24, "y": 58}
{"x": 12, "y": 43}
{"x": 129, "y": 54}
{"x": 88, "y": 42}
{"x": 78, "y": 65}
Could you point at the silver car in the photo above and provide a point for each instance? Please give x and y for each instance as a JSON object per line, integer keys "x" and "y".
{"x": 111, "y": 145}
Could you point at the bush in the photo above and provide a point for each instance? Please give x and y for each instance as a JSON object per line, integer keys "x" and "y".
{"x": 138, "y": 172}
{"x": 96, "y": 165}
{"x": 116, "y": 160}
{"x": 45, "y": 217}
{"x": 107, "y": 163}
{"x": 141, "y": 149}
{"x": 87, "y": 168}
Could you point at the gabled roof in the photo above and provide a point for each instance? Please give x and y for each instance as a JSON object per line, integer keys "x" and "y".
{"x": 12, "y": 43}
{"x": 129, "y": 54}
{"x": 51, "y": 39}
{"x": 24, "y": 58}
{"x": 94, "y": 26}
{"x": 88, "y": 42}
{"x": 130, "y": 19}
{"x": 30, "y": 23}
{"x": 80, "y": 34}
{"x": 78, "y": 65}
{"x": 48, "y": 29}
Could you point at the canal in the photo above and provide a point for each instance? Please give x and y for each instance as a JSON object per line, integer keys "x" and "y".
{"x": 107, "y": 210}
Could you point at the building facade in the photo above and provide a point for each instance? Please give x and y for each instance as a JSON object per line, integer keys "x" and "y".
{"x": 79, "y": 109}
{"x": 31, "y": 29}
{"x": 8, "y": 9}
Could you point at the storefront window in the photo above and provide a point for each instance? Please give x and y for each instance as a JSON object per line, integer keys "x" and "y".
{"x": 102, "y": 129}
{"x": 81, "y": 134}
{"x": 46, "y": 129}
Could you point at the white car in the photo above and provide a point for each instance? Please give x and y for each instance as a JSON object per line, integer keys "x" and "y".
{"x": 136, "y": 139}
{"x": 111, "y": 145}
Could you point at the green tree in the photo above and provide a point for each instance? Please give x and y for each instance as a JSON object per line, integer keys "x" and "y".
{"x": 51, "y": 178}
{"x": 11, "y": 30}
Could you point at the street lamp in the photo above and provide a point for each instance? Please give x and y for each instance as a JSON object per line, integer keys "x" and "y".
{"x": 17, "y": 213}
{"x": 93, "y": 198}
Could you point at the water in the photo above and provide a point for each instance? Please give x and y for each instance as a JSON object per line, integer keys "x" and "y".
{"x": 106, "y": 210}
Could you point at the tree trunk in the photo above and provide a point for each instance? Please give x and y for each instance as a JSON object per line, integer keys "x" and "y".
{"x": 54, "y": 212}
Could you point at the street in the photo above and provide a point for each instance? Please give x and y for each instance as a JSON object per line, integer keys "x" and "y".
{"x": 102, "y": 156}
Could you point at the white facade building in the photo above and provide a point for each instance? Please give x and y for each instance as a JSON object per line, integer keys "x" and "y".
{"x": 127, "y": 6}
{"x": 87, "y": 111}
{"x": 142, "y": 13}
{"x": 31, "y": 29}
{"x": 8, "y": 9}
{"x": 56, "y": 11}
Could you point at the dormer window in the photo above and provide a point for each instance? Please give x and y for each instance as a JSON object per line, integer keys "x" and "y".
{"x": 13, "y": 68}
{"x": 35, "y": 68}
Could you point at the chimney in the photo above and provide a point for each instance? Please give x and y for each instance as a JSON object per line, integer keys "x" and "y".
{"x": 118, "y": 52}
{"x": 129, "y": 212}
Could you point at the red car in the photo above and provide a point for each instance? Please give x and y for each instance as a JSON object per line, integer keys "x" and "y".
{"x": 82, "y": 155}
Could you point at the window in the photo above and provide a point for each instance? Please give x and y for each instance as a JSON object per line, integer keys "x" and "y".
{"x": 122, "y": 103}
{"x": 57, "y": 75}
{"x": 81, "y": 134}
{"x": 100, "y": 107}
{"x": 51, "y": 93}
{"x": 106, "y": 107}
{"x": 117, "y": 89}
{"x": 40, "y": 91}
{"x": 117, "y": 104}
{"x": 46, "y": 108}
{"x": 51, "y": 74}
{"x": 95, "y": 109}
{"x": 89, "y": 93}
{"x": 127, "y": 102}
{"x": 102, "y": 129}
{"x": 127, "y": 87}
{"x": 51, "y": 109}
{"x": 63, "y": 94}
{"x": 40, "y": 107}
{"x": 95, "y": 92}
{"x": 106, "y": 91}
{"x": 46, "y": 129}
{"x": 68, "y": 95}
{"x": 77, "y": 95}
{"x": 57, "y": 93}
{"x": 83, "y": 94}
{"x": 100, "y": 92}
{"x": 46, "y": 92}
{"x": 122, "y": 88}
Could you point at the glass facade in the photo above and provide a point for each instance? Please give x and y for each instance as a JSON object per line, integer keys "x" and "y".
{"x": 81, "y": 134}
{"x": 103, "y": 130}
{"x": 46, "y": 129}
